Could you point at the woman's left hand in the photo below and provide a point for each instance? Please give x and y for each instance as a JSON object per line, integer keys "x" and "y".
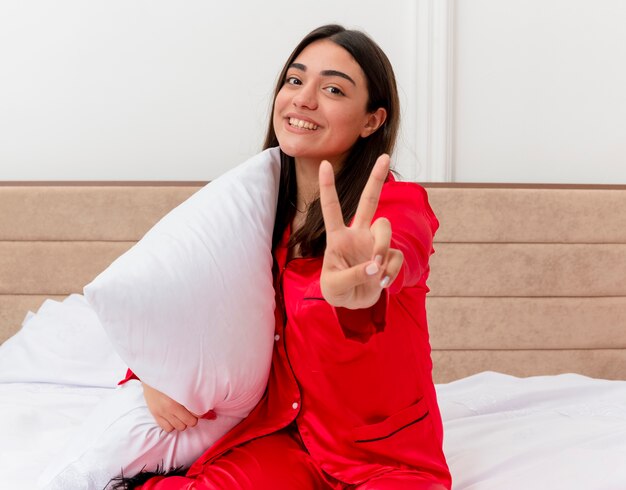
{"x": 358, "y": 261}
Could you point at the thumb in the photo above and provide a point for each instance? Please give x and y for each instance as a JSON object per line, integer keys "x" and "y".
{"x": 338, "y": 282}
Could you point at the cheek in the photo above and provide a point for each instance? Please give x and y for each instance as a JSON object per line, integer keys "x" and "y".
{"x": 279, "y": 106}
{"x": 275, "y": 121}
{"x": 280, "y": 101}
{"x": 348, "y": 125}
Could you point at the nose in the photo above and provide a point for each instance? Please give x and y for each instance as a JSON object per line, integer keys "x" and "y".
{"x": 306, "y": 97}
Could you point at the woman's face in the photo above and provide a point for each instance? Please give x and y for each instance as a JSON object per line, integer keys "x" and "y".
{"x": 320, "y": 111}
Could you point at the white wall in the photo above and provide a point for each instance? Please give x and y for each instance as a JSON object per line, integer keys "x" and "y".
{"x": 492, "y": 90}
{"x": 163, "y": 90}
{"x": 540, "y": 91}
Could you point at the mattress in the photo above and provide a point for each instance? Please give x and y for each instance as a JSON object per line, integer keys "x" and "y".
{"x": 500, "y": 432}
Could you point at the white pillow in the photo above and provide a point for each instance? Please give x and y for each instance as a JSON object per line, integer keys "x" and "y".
{"x": 63, "y": 343}
{"x": 190, "y": 308}
{"x": 120, "y": 436}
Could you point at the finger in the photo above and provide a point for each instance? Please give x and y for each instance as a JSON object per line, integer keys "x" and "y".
{"x": 371, "y": 193}
{"x": 381, "y": 231}
{"x": 186, "y": 417}
{"x": 395, "y": 259}
{"x": 341, "y": 281}
{"x": 329, "y": 201}
{"x": 164, "y": 424}
{"x": 178, "y": 424}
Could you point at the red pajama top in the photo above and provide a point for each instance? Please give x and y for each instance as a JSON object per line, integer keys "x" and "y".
{"x": 357, "y": 383}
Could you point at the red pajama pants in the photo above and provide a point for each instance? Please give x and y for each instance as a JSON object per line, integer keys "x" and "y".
{"x": 280, "y": 461}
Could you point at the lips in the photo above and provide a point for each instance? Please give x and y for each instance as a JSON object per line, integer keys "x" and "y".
{"x": 302, "y": 124}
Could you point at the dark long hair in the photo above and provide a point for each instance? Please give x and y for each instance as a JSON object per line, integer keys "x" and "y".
{"x": 351, "y": 179}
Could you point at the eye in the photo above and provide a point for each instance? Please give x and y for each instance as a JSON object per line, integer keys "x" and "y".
{"x": 334, "y": 90}
{"x": 293, "y": 81}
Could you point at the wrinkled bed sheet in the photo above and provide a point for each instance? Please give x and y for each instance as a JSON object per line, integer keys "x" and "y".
{"x": 501, "y": 432}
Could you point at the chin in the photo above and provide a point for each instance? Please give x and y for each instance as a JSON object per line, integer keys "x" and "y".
{"x": 294, "y": 150}
{"x": 287, "y": 150}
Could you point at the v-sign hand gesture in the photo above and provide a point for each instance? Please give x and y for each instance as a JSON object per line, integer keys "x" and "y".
{"x": 358, "y": 262}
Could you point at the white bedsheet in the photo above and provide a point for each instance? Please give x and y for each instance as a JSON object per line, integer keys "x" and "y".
{"x": 544, "y": 432}
{"x": 501, "y": 432}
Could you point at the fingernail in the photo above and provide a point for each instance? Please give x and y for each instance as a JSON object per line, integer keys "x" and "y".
{"x": 371, "y": 269}
{"x": 378, "y": 259}
{"x": 385, "y": 282}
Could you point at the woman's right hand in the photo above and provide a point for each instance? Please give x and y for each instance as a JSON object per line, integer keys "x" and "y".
{"x": 359, "y": 261}
{"x": 169, "y": 414}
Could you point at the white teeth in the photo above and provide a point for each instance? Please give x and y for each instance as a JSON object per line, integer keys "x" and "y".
{"x": 299, "y": 123}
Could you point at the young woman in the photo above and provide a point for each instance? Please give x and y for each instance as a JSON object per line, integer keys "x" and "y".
{"x": 350, "y": 401}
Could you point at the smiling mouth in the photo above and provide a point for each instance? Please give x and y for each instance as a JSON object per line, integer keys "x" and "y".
{"x": 299, "y": 123}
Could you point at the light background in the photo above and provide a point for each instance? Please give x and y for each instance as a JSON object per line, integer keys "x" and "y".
{"x": 165, "y": 90}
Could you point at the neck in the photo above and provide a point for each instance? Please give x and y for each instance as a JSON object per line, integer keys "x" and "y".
{"x": 307, "y": 181}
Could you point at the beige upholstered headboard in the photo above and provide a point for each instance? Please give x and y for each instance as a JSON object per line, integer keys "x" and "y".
{"x": 525, "y": 280}
{"x": 529, "y": 280}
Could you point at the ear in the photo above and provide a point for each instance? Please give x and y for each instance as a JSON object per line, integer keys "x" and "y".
{"x": 373, "y": 121}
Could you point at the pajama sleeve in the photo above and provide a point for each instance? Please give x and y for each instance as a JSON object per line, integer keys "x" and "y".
{"x": 413, "y": 226}
{"x": 129, "y": 375}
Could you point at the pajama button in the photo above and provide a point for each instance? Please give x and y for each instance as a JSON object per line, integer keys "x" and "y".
{"x": 294, "y": 405}
{"x": 276, "y": 337}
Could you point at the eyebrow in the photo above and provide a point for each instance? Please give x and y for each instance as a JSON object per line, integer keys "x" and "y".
{"x": 325, "y": 73}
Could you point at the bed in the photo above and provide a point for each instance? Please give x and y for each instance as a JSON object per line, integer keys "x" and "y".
{"x": 527, "y": 315}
